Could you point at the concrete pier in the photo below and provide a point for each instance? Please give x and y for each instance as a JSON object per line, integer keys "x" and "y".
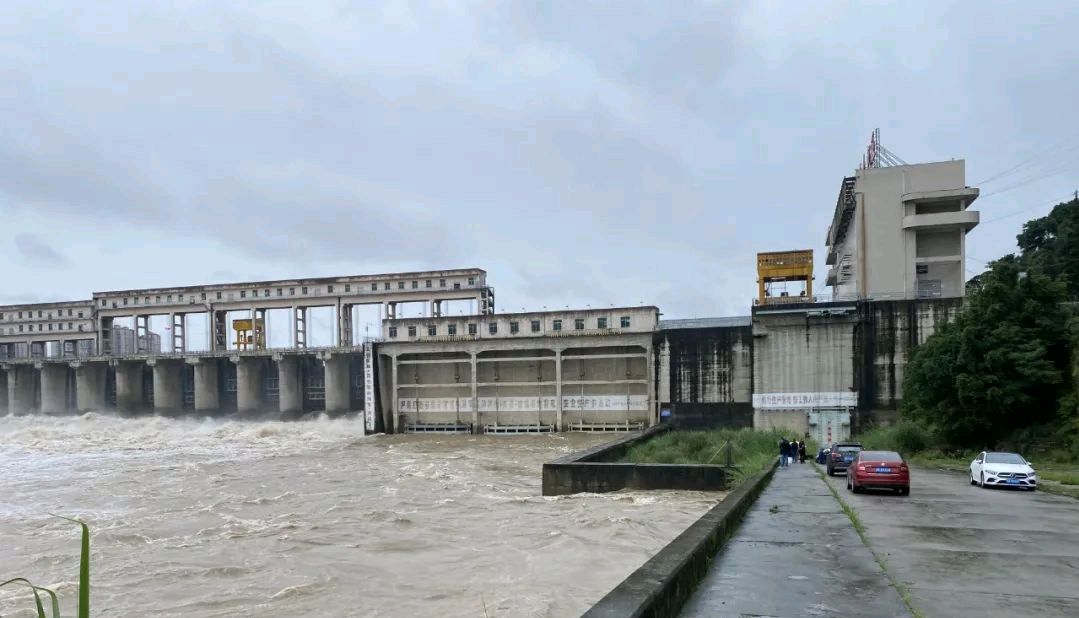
{"x": 337, "y": 384}
{"x": 129, "y": 386}
{"x": 168, "y": 384}
{"x": 53, "y": 388}
{"x": 288, "y": 384}
{"x": 207, "y": 387}
{"x": 248, "y": 383}
{"x": 20, "y": 389}
{"x": 3, "y": 393}
{"x": 90, "y": 386}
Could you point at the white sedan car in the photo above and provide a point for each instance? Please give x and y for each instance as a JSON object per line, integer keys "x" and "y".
{"x": 1002, "y": 470}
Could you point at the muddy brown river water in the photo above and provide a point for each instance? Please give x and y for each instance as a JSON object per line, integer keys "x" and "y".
{"x": 205, "y": 518}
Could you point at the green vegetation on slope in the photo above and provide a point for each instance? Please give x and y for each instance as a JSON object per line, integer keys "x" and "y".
{"x": 1005, "y": 373}
{"x": 751, "y": 451}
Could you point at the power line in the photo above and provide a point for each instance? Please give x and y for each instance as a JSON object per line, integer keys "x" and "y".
{"x": 1028, "y": 209}
{"x": 1051, "y": 151}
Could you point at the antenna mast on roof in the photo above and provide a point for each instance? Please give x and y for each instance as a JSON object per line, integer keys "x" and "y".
{"x": 877, "y": 155}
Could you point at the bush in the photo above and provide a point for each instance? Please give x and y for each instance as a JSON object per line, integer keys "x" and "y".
{"x": 905, "y": 437}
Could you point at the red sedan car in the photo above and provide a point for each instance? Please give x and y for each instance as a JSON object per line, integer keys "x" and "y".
{"x": 879, "y": 470}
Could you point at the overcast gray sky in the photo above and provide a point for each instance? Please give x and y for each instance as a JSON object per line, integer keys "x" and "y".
{"x": 610, "y": 154}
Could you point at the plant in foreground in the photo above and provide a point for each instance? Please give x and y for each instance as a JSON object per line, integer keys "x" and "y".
{"x": 84, "y": 580}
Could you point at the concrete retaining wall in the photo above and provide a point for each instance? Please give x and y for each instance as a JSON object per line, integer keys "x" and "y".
{"x": 597, "y": 470}
{"x": 661, "y": 587}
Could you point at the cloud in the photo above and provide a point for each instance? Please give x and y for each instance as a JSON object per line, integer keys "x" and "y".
{"x": 36, "y": 252}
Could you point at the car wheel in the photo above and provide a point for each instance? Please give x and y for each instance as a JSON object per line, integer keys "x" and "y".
{"x": 972, "y": 481}
{"x": 904, "y": 491}
{"x": 982, "y": 483}
{"x": 854, "y": 487}
{"x": 849, "y": 486}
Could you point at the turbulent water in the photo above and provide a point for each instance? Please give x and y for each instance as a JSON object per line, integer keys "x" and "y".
{"x": 202, "y": 518}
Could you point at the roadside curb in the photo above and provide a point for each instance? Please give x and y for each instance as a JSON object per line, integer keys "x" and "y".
{"x": 660, "y": 587}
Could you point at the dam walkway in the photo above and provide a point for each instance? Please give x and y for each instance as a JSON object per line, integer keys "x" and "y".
{"x": 796, "y": 554}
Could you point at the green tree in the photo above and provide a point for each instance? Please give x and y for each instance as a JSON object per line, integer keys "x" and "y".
{"x": 1051, "y": 244}
{"x": 1000, "y": 366}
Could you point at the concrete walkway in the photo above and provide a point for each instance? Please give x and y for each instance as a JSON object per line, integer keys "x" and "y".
{"x": 796, "y": 554}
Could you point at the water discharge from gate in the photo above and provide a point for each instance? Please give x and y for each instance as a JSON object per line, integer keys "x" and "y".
{"x": 204, "y": 518}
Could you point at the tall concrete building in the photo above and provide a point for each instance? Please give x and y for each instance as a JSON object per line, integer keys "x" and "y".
{"x": 900, "y": 232}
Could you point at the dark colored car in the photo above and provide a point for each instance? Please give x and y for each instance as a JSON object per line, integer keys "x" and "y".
{"x": 841, "y": 455}
{"x": 879, "y": 470}
{"x": 822, "y": 456}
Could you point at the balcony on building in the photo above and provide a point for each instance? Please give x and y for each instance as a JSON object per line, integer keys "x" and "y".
{"x": 940, "y": 210}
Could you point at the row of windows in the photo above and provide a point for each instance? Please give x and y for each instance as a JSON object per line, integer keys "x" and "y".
{"x": 40, "y": 314}
{"x": 59, "y": 326}
{"x": 515, "y": 327}
{"x": 266, "y": 293}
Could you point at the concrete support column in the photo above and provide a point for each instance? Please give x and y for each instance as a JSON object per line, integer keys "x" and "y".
{"x": 558, "y": 390}
{"x": 337, "y": 384}
{"x": 653, "y": 402}
{"x": 168, "y": 385}
{"x": 289, "y": 393}
{"x": 3, "y": 392}
{"x": 53, "y": 388}
{"x": 474, "y": 393}
{"x": 396, "y": 415}
{"x": 248, "y": 383}
{"x": 207, "y": 387}
{"x": 20, "y": 389}
{"x": 344, "y": 321}
{"x": 90, "y": 386}
{"x": 129, "y": 387}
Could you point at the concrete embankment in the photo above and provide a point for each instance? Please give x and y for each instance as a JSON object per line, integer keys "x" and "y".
{"x": 663, "y": 584}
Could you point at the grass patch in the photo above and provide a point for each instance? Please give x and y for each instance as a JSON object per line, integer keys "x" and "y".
{"x": 84, "y": 581}
{"x": 750, "y": 450}
{"x": 859, "y": 527}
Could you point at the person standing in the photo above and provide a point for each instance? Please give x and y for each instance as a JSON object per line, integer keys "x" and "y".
{"x": 784, "y": 450}
{"x": 801, "y": 451}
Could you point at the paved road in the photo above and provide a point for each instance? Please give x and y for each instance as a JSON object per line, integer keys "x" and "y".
{"x": 966, "y": 551}
{"x": 795, "y": 555}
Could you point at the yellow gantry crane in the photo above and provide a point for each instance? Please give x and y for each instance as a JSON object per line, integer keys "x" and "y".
{"x": 776, "y": 268}
{"x": 250, "y": 334}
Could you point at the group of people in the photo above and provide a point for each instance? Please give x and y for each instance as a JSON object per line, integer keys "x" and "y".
{"x": 791, "y": 451}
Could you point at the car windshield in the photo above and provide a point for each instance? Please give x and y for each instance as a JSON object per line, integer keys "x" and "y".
{"x": 847, "y": 448}
{"x": 881, "y": 456}
{"x": 1004, "y": 458}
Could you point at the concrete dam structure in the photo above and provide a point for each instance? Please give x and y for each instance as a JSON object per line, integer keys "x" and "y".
{"x": 823, "y": 365}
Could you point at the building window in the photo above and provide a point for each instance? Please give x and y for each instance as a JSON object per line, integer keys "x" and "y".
{"x": 393, "y": 331}
{"x": 80, "y": 328}
{"x": 80, "y": 314}
{"x": 515, "y": 328}
{"x": 20, "y": 328}
{"x": 471, "y": 329}
{"x": 50, "y": 326}
{"x": 157, "y": 299}
{"x": 441, "y": 283}
{"x": 70, "y": 326}
{"x": 493, "y": 328}
{"x": 329, "y": 289}
{"x": 457, "y": 285}
{"x": 266, "y": 292}
{"x": 125, "y": 302}
{"x": 203, "y": 295}
{"x": 415, "y": 285}
{"x": 578, "y": 324}
{"x": 348, "y": 288}
{"x": 411, "y": 331}
{"x": 69, "y": 313}
{"x": 303, "y": 290}
{"x": 20, "y": 315}
{"x": 169, "y": 298}
{"x": 219, "y": 296}
{"x": 601, "y": 322}
{"x": 535, "y": 326}
{"x": 471, "y": 281}
{"x": 135, "y": 300}
{"x": 280, "y": 292}
{"x": 400, "y": 285}
{"x": 374, "y": 287}
{"x": 557, "y": 325}
{"x": 180, "y": 298}
{"x": 39, "y": 328}
{"x": 39, "y": 313}
{"x": 451, "y": 329}
{"x": 386, "y": 286}
{"x": 432, "y": 331}
{"x": 624, "y": 321}
{"x": 427, "y": 283}
{"x": 243, "y": 293}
